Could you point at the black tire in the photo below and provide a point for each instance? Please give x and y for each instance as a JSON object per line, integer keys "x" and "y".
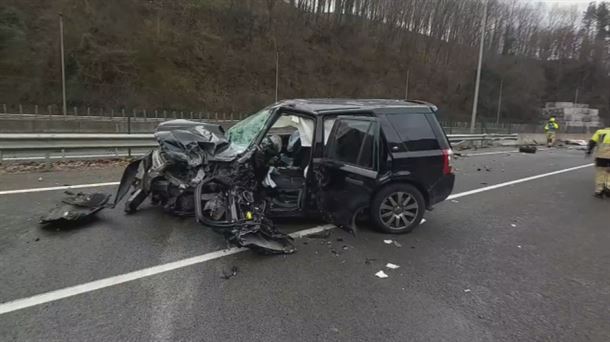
{"x": 407, "y": 208}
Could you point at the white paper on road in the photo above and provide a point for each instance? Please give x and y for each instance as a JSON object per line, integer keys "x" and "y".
{"x": 381, "y": 274}
{"x": 391, "y": 266}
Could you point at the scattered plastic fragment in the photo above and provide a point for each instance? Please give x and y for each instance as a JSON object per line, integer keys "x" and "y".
{"x": 455, "y": 201}
{"x": 392, "y": 266}
{"x": 381, "y": 274}
{"x": 519, "y": 246}
{"x": 527, "y": 149}
{"x": 231, "y": 274}
{"x": 387, "y": 242}
{"x": 513, "y": 225}
{"x": 422, "y": 221}
{"x": 40, "y": 179}
{"x": 397, "y": 244}
{"x": 75, "y": 207}
{"x": 467, "y": 290}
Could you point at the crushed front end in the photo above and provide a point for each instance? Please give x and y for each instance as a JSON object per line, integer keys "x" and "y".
{"x": 196, "y": 171}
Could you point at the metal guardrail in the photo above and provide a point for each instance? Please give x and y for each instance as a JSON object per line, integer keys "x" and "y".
{"x": 456, "y": 138}
{"x": 62, "y": 143}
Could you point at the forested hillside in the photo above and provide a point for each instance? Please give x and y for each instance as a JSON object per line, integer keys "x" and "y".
{"x": 220, "y": 55}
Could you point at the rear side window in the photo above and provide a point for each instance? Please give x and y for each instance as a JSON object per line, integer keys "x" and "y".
{"x": 352, "y": 142}
{"x": 415, "y": 131}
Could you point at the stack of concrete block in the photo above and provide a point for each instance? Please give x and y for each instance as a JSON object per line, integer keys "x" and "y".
{"x": 573, "y": 114}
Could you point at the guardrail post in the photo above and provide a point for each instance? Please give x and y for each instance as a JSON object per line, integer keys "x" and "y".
{"x": 63, "y": 153}
{"x": 112, "y": 113}
{"x": 20, "y": 109}
{"x": 88, "y": 111}
{"x": 216, "y": 116}
{"x": 156, "y": 114}
{"x": 144, "y": 113}
{"x": 35, "y": 109}
{"x": 1, "y": 157}
{"x": 123, "y": 112}
{"x": 75, "y": 110}
{"x": 4, "y": 108}
{"x": 192, "y": 116}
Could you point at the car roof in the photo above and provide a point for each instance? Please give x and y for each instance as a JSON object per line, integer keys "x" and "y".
{"x": 321, "y": 106}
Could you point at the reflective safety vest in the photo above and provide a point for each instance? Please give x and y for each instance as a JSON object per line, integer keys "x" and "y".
{"x": 551, "y": 126}
{"x": 602, "y": 139}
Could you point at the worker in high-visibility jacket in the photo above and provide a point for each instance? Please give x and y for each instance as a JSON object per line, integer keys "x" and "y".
{"x": 551, "y": 129}
{"x": 601, "y": 140}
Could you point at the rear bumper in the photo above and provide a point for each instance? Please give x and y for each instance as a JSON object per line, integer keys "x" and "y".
{"x": 441, "y": 189}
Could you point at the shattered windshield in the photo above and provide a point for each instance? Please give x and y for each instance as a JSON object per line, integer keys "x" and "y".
{"x": 243, "y": 133}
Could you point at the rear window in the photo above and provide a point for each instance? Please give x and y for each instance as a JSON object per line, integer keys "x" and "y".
{"x": 415, "y": 131}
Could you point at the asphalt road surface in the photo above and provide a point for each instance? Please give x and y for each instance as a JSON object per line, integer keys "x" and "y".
{"x": 527, "y": 260}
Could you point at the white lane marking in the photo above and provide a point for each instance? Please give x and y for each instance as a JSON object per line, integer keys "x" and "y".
{"x": 51, "y": 296}
{"x": 71, "y": 291}
{"x": 63, "y": 187}
{"x": 517, "y": 181}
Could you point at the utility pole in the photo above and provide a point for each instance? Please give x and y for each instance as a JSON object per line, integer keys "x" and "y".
{"x": 475, "y": 102}
{"x": 277, "y": 73}
{"x": 499, "y": 102}
{"x": 63, "y": 64}
{"x": 407, "y": 84}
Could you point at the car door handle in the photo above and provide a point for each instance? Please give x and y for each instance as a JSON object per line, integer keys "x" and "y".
{"x": 354, "y": 181}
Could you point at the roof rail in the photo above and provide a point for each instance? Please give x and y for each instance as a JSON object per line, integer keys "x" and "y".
{"x": 432, "y": 106}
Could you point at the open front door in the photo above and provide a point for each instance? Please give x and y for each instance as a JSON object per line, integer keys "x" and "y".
{"x": 347, "y": 172}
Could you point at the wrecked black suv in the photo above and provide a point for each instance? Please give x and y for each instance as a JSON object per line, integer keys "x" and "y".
{"x": 388, "y": 160}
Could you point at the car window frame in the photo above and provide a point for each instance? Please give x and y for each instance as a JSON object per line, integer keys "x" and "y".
{"x": 375, "y": 125}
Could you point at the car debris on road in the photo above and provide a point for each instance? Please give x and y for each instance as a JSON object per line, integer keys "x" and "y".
{"x": 75, "y": 207}
{"x": 528, "y": 149}
{"x": 269, "y": 165}
{"x": 381, "y": 274}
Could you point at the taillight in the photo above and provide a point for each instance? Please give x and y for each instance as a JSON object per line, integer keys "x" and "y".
{"x": 447, "y": 161}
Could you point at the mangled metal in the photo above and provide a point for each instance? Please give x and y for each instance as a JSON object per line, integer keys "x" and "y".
{"x": 75, "y": 207}
{"x": 196, "y": 171}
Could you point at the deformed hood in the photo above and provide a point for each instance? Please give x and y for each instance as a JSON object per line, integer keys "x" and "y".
{"x": 193, "y": 143}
